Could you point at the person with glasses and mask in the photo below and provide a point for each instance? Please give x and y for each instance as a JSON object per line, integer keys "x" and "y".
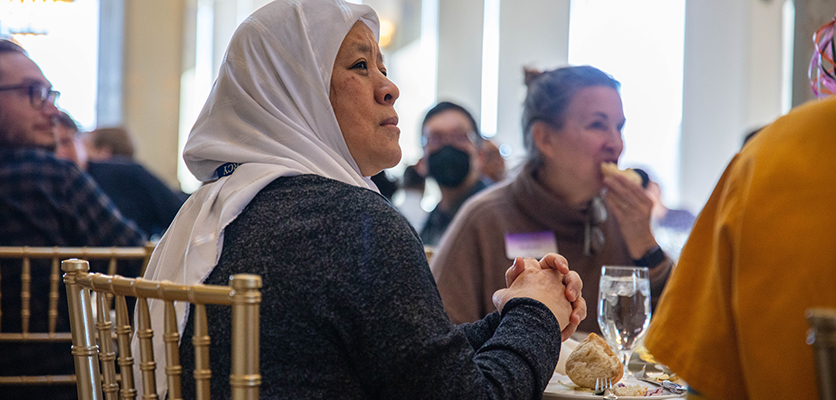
{"x": 560, "y": 201}
{"x": 44, "y": 201}
{"x": 451, "y": 157}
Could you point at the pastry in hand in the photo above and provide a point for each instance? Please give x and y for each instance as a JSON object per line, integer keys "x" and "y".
{"x": 610, "y": 169}
{"x": 593, "y": 359}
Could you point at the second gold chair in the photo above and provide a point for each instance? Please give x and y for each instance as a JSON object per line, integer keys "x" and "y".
{"x": 32, "y": 310}
{"x": 95, "y": 359}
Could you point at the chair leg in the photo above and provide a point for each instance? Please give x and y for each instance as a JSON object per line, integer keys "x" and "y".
{"x": 83, "y": 333}
{"x": 245, "y": 378}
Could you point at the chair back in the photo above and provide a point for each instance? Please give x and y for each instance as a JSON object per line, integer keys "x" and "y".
{"x": 95, "y": 356}
{"x": 822, "y": 336}
{"x": 26, "y": 264}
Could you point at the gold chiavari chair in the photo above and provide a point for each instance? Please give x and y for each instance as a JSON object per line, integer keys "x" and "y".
{"x": 822, "y": 336}
{"x": 34, "y": 263}
{"x": 90, "y": 354}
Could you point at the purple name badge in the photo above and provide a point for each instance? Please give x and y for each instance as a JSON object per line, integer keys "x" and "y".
{"x": 529, "y": 244}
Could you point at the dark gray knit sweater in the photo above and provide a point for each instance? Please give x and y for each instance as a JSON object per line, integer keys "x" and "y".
{"x": 350, "y": 309}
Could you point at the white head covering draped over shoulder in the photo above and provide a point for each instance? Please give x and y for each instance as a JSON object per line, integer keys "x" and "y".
{"x": 270, "y": 112}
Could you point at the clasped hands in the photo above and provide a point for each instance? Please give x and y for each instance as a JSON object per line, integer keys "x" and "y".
{"x": 550, "y": 282}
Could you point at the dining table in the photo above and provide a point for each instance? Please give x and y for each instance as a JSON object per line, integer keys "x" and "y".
{"x": 560, "y": 387}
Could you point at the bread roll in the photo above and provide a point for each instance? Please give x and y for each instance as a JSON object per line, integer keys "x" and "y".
{"x": 610, "y": 169}
{"x": 593, "y": 359}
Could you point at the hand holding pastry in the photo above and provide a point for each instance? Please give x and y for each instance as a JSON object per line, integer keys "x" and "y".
{"x": 631, "y": 206}
{"x": 610, "y": 169}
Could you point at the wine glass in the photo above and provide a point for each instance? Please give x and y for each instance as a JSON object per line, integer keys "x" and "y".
{"x": 624, "y": 308}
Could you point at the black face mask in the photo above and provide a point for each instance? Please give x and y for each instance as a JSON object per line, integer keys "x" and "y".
{"x": 449, "y": 166}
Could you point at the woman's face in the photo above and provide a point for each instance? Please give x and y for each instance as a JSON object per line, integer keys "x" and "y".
{"x": 363, "y": 99}
{"x": 591, "y": 135}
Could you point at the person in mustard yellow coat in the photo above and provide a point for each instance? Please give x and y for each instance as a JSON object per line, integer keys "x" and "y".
{"x": 731, "y": 321}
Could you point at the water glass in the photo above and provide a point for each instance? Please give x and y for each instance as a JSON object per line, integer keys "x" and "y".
{"x": 624, "y": 308}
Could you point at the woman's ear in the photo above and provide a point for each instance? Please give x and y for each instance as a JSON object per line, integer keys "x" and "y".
{"x": 544, "y": 138}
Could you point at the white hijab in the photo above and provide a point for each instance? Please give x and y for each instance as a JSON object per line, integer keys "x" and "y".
{"x": 270, "y": 112}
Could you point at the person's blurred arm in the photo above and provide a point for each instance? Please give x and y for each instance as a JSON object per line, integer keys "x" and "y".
{"x": 693, "y": 330}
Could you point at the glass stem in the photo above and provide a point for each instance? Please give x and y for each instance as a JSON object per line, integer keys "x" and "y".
{"x": 625, "y": 360}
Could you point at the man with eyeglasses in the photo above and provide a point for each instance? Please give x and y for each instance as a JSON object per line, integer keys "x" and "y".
{"x": 451, "y": 156}
{"x": 22, "y": 123}
{"x": 43, "y": 202}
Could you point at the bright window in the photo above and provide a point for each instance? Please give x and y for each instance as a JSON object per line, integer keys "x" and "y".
{"x": 63, "y": 39}
{"x": 640, "y": 43}
{"x": 490, "y": 68}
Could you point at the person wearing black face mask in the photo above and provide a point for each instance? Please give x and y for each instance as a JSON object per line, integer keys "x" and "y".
{"x": 451, "y": 148}
{"x": 449, "y": 166}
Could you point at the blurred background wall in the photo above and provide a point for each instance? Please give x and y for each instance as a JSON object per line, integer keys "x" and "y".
{"x": 696, "y": 75}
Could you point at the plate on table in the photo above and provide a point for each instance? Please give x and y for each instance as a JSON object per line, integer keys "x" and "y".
{"x": 557, "y": 391}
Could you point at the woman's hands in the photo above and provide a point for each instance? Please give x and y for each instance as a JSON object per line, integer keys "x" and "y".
{"x": 550, "y": 282}
{"x": 631, "y": 207}
{"x": 574, "y": 286}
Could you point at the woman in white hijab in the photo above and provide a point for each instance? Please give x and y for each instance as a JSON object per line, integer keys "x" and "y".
{"x": 301, "y": 114}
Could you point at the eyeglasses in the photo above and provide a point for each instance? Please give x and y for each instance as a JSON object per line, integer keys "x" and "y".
{"x": 38, "y": 94}
{"x": 438, "y": 140}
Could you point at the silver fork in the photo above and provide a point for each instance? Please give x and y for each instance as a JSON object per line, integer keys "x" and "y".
{"x": 674, "y": 388}
{"x": 603, "y": 386}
